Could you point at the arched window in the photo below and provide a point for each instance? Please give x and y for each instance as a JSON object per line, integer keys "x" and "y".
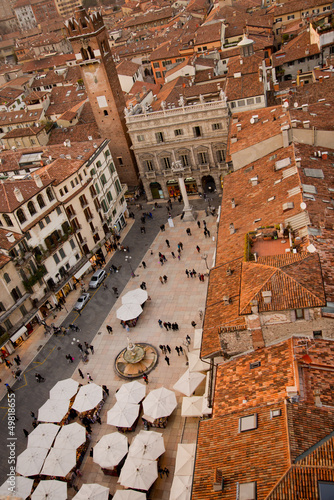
{"x": 21, "y": 216}
{"x": 40, "y": 201}
{"x": 49, "y": 194}
{"x": 31, "y": 208}
{"x": 8, "y": 220}
{"x": 91, "y": 53}
{"x": 84, "y": 54}
{"x": 6, "y": 277}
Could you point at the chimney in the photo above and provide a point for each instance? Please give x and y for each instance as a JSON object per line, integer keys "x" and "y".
{"x": 38, "y": 181}
{"x": 232, "y": 229}
{"x": 266, "y": 297}
{"x": 305, "y": 107}
{"x": 18, "y": 195}
{"x": 324, "y": 155}
{"x": 254, "y": 181}
{"x": 10, "y": 237}
{"x": 317, "y": 400}
{"x": 306, "y": 124}
{"x": 298, "y": 162}
{"x": 233, "y": 203}
{"x": 254, "y": 306}
{"x": 226, "y": 300}
{"x": 238, "y": 127}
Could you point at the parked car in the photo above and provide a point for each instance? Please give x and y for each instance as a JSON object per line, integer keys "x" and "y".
{"x": 97, "y": 278}
{"x": 82, "y": 300}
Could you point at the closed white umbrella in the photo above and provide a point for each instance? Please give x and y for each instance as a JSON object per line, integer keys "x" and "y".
{"x": 53, "y": 410}
{"x": 192, "y": 407}
{"x": 43, "y": 436}
{"x": 128, "y": 311}
{"x": 188, "y": 382}
{"x": 181, "y": 488}
{"x": 159, "y": 403}
{"x": 70, "y": 436}
{"x": 30, "y": 461}
{"x": 88, "y": 397}
{"x": 50, "y": 490}
{"x": 22, "y": 488}
{"x": 129, "y": 495}
{"x": 110, "y": 450}
{"x": 64, "y": 389}
{"x": 133, "y": 392}
{"x": 185, "y": 459}
{"x": 92, "y": 492}
{"x": 148, "y": 445}
{"x": 137, "y": 296}
{"x": 59, "y": 462}
{"x": 138, "y": 474}
{"x": 195, "y": 363}
{"x": 122, "y": 414}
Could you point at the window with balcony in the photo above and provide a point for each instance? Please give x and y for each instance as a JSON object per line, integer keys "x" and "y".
{"x": 62, "y": 253}
{"x": 220, "y": 155}
{"x": 197, "y": 131}
{"x": 202, "y": 158}
{"x": 104, "y": 206}
{"x": 178, "y": 131}
{"x": 83, "y": 200}
{"x": 166, "y": 163}
{"x": 159, "y": 137}
{"x": 148, "y": 164}
{"x": 185, "y": 160}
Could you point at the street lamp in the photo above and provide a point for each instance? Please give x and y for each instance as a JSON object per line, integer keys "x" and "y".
{"x": 205, "y": 257}
{"x": 128, "y": 260}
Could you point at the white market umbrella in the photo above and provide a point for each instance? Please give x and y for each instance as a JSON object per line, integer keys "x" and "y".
{"x": 129, "y": 495}
{"x": 59, "y": 462}
{"x": 188, "y": 382}
{"x": 181, "y": 488}
{"x": 22, "y": 488}
{"x": 50, "y": 490}
{"x": 64, "y": 389}
{"x": 43, "y": 436}
{"x": 138, "y": 474}
{"x": 148, "y": 445}
{"x": 195, "y": 363}
{"x": 110, "y": 450}
{"x": 185, "y": 459}
{"x": 128, "y": 311}
{"x": 133, "y": 392}
{"x": 192, "y": 407}
{"x": 197, "y": 338}
{"x": 53, "y": 410}
{"x": 30, "y": 461}
{"x": 122, "y": 414}
{"x": 159, "y": 403}
{"x": 92, "y": 492}
{"x": 137, "y": 296}
{"x": 71, "y": 436}
{"x": 88, "y": 397}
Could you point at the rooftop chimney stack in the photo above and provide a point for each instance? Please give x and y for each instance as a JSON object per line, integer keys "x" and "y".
{"x": 232, "y": 229}
{"x": 267, "y": 297}
{"x": 18, "y": 195}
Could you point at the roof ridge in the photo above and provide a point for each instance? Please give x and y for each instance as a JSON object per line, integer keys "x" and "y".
{"x": 314, "y": 447}
{"x": 292, "y": 278}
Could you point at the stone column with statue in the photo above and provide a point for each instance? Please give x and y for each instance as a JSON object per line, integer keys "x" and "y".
{"x": 188, "y": 212}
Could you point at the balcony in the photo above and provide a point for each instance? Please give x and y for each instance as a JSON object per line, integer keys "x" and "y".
{"x": 89, "y": 217}
{"x": 71, "y": 215}
{"x": 77, "y": 228}
{"x": 150, "y": 175}
{"x": 84, "y": 204}
{"x": 204, "y": 168}
{"x": 28, "y": 284}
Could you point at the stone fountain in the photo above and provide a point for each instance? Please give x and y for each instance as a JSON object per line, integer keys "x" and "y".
{"x": 135, "y": 360}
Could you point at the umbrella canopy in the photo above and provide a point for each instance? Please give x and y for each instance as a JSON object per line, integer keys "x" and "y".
{"x": 64, "y": 389}
{"x": 59, "y": 462}
{"x": 22, "y": 488}
{"x": 133, "y": 392}
{"x": 43, "y": 436}
{"x": 110, "y": 450}
{"x": 122, "y": 414}
{"x": 30, "y": 461}
{"x": 87, "y": 398}
{"x": 192, "y": 407}
{"x": 92, "y": 492}
{"x": 195, "y": 363}
{"x": 137, "y": 296}
{"x": 50, "y": 490}
{"x": 148, "y": 445}
{"x": 198, "y": 338}
{"x": 185, "y": 459}
{"x": 188, "y": 382}
{"x": 159, "y": 403}
{"x": 53, "y": 410}
{"x": 138, "y": 474}
{"x": 129, "y": 495}
{"x": 181, "y": 488}
{"x": 128, "y": 311}
{"x": 70, "y": 436}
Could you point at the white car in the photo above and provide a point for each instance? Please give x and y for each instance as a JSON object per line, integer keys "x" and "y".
{"x": 97, "y": 278}
{"x": 82, "y": 300}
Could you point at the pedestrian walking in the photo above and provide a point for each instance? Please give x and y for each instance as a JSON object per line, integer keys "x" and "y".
{"x": 165, "y": 278}
{"x": 144, "y": 264}
{"x": 161, "y": 280}
{"x": 166, "y": 471}
{"x": 162, "y": 227}
{"x": 25, "y": 432}
{"x": 80, "y": 373}
{"x": 188, "y": 231}
{"x": 32, "y": 414}
{"x": 204, "y": 222}
{"x": 105, "y": 286}
{"x": 89, "y": 377}
{"x": 109, "y": 329}
{"x": 160, "y": 323}
{"x": 106, "y": 390}
{"x": 198, "y": 223}
{"x": 69, "y": 358}
{"x": 161, "y": 347}
{"x": 86, "y": 345}
{"x": 91, "y": 347}
{"x": 80, "y": 347}
{"x": 39, "y": 378}
{"x": 168, "y": 349}
{"x": 188, "y": 339}
{"x": 191, "y": 274}
{"x": 173, "y": 255}
{"x": 165, "y": 325}
{"x": 167, "y": 243}
{"x": 187, "y": 273}
{"x": 193, "y": 324}
{"x": 17, "y": 362}
{"x": 208, "y": 233}
{"x": 98, "y": 419}
{"x": 198, "y": 249}
{"x": 143, "y": 229}
{"x": 169, "y": 325}
{"x": 181, "y": 245}
{"x": 194, "y": 273}
{"x": 143, "y": 285}
{"x": 8, "y": 363}
{"x": 167, "y": 360}
{"x": 115, "y": 290}
{"x": 177, "y": 350}
{"x": 145, "y": 378}
{"x": 176, "y": 326}
{"x": 181, "y": 349}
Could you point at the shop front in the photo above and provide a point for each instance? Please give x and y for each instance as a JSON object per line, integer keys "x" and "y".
{"x": 119, "y": 223}
{"x": 19, "y": 337}
{"x": 174, "y": 189}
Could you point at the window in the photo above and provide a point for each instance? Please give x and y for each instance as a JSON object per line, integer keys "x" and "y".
{"x": 28, "y": 236}
{"x": 246, "y": 491}
{"x": 202, "y": 158}
{"x": 104, "y": 206}
{"x": 140, "y": 138}
{"x": 220, "y": 155}
{"x": 159, "y": 137}
{"x": 299, "y": 313}
{"x": 178, "y": 131}
{"x": 92, "y": 172}
{"x": 56, "y": 258}
{"x": 118, "y": 186}
{"x": 148, "y": 164}
{"x": 8, "y": 220}
{"x": 61, "y": 192}
{"x": 47, "y": 219}
{"x": 6, "y": 278}
{"x": 58, "y": 211}
{"x": 23, "y": 310}
{"x": 109, "y": 197}
{"x": 158, "y": 74}
{"x": 326, "y": 490}
{"x": 65, "y": 189}
{"x": 241, "y": 103}
{"x": 217, "y": 126}
{"x": 106, "y": 154}
{"x": 62, "y": 253}
{"x": 2, "y": 307}
{"x": 184, "y": 160}
{"x": 21, "y": 216}
{"x": 98, "y": 164}
{"x": 72, "y": 244}
{"x": 8, "y": 324}
{"x": 292, "y": 16}
{"x": 72, "y": 184}
{"x": 250, "y": 101}
{"x": 40, "y": 201}
{"x": 165, "y": 162}
{"x": 103, "y": 180}
{"x": 31, "y": 208}
{"x": 197, "y": 131}
{"x": 120, "y": 161}
{"x": 97, "y": 189}
{"x": 258, "y": 99}
{"x": 41, "y": 224}
{"x": 156, "y": 65}
{"x": 248, "y": 423}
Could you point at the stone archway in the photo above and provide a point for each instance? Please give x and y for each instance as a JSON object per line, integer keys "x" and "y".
{"x": 156, "y": 190}
{"x": 208, "y": 184}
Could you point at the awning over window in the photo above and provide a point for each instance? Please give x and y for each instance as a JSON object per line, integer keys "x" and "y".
{"x": 19, "y": 333}
{"x": 82, "y": 270}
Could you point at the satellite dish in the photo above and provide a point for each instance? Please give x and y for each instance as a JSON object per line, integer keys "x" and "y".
{"x": 252, "y": 120}
{"x": 286, "y": 104}
{"x": 296, "y": 104}
{"x": 303, "y": 205}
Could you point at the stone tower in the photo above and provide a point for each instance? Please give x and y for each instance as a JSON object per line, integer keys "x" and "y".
{"x": 89, "y": 40}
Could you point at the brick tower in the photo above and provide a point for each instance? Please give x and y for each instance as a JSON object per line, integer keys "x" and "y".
{"x": 89, "y": 40}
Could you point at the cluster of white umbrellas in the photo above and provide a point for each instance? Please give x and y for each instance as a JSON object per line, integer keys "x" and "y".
{"x": 132, "y": 302}
{"x": 184, "y": 468}
{"x": 88, "y": 397}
